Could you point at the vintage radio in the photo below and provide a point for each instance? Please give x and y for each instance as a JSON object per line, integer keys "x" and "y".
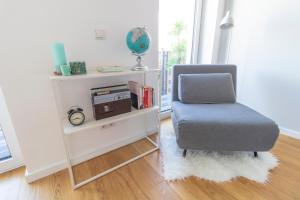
{"x": 110, "y": 101}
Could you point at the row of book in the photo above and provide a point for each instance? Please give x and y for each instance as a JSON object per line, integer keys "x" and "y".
{"x": 141, "y": 96}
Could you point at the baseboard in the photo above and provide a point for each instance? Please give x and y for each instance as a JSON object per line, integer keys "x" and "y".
{"x": 46, "y": 171}
{"x": 289, "y": 132}
{"x": 58, "y": 166}
{"x": 12, "y": 168}
{"x": 165, "y": 115}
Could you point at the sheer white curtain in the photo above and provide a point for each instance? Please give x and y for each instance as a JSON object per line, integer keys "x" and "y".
{"x": 209, "y": 41}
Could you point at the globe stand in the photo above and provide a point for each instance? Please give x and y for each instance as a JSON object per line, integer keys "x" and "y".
{"x": 139, "y": 66}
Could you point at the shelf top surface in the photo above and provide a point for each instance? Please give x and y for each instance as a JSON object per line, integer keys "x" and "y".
{"x": 69, "y": 129}
{"x": 95, "y": 74}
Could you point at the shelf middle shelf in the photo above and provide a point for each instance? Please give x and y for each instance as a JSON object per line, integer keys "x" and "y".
{"x": 70, "y": 129}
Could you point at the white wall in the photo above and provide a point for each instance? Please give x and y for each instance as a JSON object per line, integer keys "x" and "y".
{"x": 266, "y": 47}
{"x": 27, "y": 30}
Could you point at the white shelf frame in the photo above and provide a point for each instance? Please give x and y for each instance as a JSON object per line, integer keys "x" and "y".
{"x": 68, "y": 130}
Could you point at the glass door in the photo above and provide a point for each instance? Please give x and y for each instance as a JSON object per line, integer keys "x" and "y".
{"x": 10, "y": 154}
{"x": 176, "y": 24}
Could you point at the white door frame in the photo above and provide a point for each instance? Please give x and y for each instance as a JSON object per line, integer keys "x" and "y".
{"x": 16, "y": 159}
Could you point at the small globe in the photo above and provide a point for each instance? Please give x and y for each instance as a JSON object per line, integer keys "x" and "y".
{"x": 138, "y": 40}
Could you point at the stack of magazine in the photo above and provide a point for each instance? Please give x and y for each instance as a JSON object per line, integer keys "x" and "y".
{"x": 141, "y": 96}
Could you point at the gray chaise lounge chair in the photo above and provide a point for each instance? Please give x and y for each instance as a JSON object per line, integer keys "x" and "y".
{"x": 206, "y": 117}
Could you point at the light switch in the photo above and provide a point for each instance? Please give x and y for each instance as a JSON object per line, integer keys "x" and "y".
{"x": 100, "y": 34}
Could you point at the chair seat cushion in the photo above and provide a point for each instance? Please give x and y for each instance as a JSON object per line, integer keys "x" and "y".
{"x": 224, "y": 127}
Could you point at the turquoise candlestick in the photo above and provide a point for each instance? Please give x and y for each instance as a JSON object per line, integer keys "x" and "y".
{"x": 59, "y": 56}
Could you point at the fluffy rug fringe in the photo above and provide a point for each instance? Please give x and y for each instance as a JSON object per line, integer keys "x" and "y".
{"x": 214, "y": 166}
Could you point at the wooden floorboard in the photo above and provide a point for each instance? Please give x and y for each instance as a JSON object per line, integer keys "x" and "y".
{"x": 143, "y": 179}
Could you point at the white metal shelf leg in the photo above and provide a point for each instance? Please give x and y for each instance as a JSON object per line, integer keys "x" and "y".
{"x": 158, "y": 130}
{"x": 159, "y": 108}
{"x": 70, "y": 169}
{"x": 146, "y": 117}
{"x": 66, "y": 146}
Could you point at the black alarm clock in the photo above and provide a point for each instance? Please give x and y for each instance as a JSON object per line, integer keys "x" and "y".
{"x": 76, "y": 116}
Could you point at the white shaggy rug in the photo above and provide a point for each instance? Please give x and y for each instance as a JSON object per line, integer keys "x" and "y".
{"x": 214, "y": 166}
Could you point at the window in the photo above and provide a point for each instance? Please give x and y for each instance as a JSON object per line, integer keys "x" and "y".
{"x": 10, "y": 154}
{"x": 4, "y": 151}
{"x": 176, "y": 24}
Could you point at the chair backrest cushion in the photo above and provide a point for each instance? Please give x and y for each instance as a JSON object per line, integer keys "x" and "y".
{"x": 206, "y": 88}
{"x": 200, "y": 69}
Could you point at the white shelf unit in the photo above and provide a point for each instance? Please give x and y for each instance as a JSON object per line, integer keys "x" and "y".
{"x": 91, "y": 79}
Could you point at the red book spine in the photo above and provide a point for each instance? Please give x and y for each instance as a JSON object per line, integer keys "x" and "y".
{"x": 150, "y": 97}
{"x": 146, "y": 94}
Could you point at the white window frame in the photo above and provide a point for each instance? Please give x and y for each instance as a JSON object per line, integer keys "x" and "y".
{"x": 16, "y": 159}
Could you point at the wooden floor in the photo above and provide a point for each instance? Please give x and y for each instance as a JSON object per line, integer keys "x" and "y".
{"x": 143, "y": 180}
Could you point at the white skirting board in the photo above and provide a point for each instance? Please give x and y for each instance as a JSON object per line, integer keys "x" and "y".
{"x": 289, "y": 132}
{"x": 45, "y": 171}
{"x": 58, "y": 166}
{"x": 165, "y": 115}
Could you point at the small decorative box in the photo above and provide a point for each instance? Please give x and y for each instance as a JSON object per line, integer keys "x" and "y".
{"x": 77, "y": 68}
{"x": 66, "y": 70}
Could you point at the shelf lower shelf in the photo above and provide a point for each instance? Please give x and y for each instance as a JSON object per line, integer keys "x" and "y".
{"x": 70, "y": 129}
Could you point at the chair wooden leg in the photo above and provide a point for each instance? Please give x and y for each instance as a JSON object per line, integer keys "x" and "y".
{"x": 255, "y": 154}
{"x": 184, "y": 153}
